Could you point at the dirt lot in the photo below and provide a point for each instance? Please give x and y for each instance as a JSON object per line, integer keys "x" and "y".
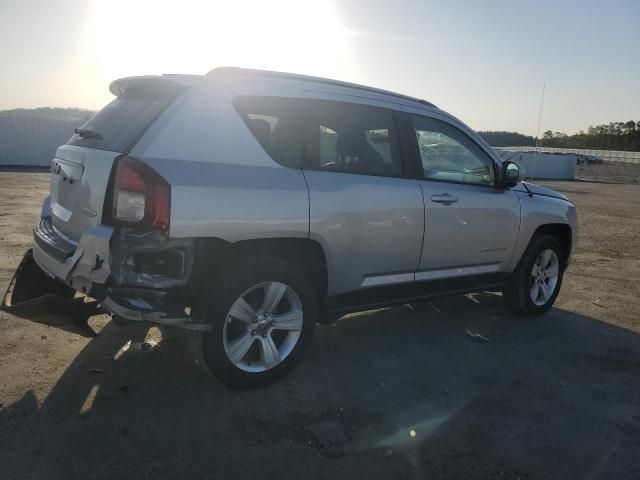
{"x": 399, "y": 393}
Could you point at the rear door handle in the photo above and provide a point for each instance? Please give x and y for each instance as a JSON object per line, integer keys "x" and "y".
{"x": 445, "y": 199}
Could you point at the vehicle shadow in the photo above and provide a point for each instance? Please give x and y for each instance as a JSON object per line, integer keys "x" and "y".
{"x": 454, "y": 388}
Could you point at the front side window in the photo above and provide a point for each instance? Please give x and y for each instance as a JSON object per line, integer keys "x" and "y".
{"x": 448, "y": 154}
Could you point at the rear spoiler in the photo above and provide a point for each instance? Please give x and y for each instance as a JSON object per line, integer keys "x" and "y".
{"x": 169, "y": 84}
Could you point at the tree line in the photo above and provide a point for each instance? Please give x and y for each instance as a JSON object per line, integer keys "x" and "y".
{"x": 612, "y": 136}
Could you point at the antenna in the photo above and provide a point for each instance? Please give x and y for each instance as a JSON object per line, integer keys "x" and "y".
{"x": 535, "y": 155}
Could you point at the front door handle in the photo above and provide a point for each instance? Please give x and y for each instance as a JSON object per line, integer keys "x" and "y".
{"x": 445, "y": 199}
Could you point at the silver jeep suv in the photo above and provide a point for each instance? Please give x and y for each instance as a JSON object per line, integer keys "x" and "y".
{"x": 249, "y": 205}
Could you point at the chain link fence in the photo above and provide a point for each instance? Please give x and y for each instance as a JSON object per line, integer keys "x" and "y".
{"x": 608, "y": 165}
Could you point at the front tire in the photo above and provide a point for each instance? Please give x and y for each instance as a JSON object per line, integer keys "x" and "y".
{"x": 535, "y": 284}
{"x": 263, "y": 313}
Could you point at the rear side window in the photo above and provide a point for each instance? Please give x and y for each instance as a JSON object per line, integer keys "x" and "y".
{"x": 118, "y": 125}
{"x": 349, "y": 138}
{"x": 324, "y": 135}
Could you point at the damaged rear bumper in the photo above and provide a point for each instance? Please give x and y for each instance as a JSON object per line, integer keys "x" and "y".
{"x": 102, "y": 264}
{"x": 78, "y": 265}
{"x": 150, "y": 306}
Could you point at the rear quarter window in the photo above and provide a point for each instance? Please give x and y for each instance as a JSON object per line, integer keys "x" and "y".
{"x": 277, "y": 123}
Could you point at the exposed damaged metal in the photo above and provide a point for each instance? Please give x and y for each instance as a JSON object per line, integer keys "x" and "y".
{"x": 151, "y": 307}
{"x": 150, "y": 259}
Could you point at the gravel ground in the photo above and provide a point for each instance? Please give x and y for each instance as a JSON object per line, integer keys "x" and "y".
{"x": 398, "y": 393}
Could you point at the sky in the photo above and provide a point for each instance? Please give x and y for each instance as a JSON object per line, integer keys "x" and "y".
{"x": 483, "y": 61}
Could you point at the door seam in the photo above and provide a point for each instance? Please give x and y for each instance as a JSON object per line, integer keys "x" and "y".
{"x": 424, "y": 229}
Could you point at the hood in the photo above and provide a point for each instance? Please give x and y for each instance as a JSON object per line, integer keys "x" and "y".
{"x": 540, "y": 190}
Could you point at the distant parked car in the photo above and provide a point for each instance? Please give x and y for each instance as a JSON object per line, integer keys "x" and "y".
{"x": 249, "y": 205}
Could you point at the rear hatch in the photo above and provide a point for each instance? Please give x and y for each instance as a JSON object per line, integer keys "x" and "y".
{"x": 80, "y": 170}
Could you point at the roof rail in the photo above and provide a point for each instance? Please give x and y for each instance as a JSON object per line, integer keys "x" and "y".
{"x": 327, "y": 81}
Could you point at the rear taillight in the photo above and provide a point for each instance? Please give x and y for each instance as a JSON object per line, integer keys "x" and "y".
{"x": 140, "y": 197}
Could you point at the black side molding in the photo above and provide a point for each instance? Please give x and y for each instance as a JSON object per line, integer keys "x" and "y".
{"x": 385, "y": 296}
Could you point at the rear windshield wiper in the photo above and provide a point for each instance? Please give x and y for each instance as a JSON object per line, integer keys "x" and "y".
{"x": 86, "y": 133}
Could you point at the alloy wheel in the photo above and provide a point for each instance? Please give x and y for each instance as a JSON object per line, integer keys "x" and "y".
{"x": 263, "y": 326}
{"x": 544, "y": 277}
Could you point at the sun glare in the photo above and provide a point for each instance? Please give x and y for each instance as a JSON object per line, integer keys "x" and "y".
{"x": 190, "y": 36}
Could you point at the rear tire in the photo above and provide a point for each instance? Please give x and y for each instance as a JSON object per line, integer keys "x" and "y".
{"x": 535, "y": 283}
{"x": 263, "y": 313}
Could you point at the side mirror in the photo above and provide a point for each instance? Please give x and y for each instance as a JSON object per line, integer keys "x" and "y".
{"x": 511, "y": 174}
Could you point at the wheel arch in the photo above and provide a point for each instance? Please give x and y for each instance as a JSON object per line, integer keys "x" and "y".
{"x": 213, "y": 254}
{"x": 562, "y": 232}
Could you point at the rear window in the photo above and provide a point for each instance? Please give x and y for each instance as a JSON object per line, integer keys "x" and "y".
{"x": 121, "y": 123}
